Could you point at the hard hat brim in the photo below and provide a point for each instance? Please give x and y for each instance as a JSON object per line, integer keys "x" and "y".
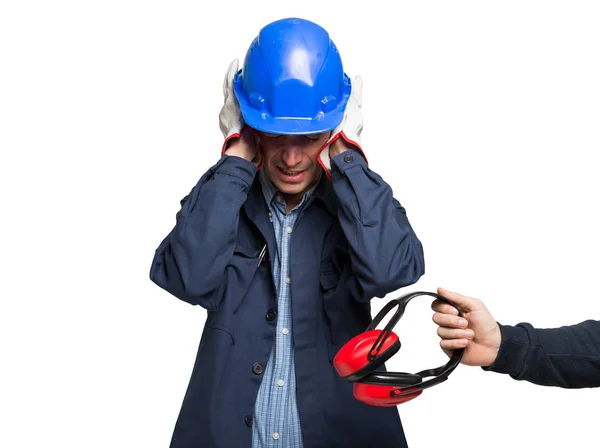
{"x": 263, "y": 121}
{"x": 292, "y": 125}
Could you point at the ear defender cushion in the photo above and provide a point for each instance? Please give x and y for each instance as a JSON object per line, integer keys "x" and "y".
{"x": 352, "y": 361}
{"x": 381, "y": 395}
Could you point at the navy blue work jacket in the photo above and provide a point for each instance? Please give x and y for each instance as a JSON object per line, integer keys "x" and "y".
{"x": 351, "y": 243}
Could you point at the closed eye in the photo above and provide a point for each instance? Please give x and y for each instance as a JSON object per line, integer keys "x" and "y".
{"x": 315, "y": 137}
{"x": 272, "y": 136}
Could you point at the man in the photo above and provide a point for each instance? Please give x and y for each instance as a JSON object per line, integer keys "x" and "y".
{"x": 566, "y": 357}
{"x": 286, "y": 259}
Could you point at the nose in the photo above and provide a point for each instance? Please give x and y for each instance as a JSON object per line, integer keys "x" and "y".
{"x": 291, "y": 155}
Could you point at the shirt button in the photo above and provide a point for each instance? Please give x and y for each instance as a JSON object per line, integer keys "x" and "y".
{"x": 280, "y": 383}
{"x": 248, "y": 420}
{"x": 278, "y": 198}
{"x": 288, "y": 280}
{"x": 270, "y": 214}
{"x": 271, "y": 315}
{"x": 289, "y": 230}
{"x": 285, "y": 330}
{"x": 257, "y": 368}
{"x": 275, "y": 435}
{"x": 348, "y": 158}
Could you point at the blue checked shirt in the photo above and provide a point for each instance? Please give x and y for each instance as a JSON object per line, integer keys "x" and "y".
{"x": 276, "y": 420}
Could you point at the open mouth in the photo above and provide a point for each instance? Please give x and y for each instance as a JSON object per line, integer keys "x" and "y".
{"x": 291, "y": 175}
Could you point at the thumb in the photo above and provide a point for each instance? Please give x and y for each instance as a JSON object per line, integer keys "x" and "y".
{"x": 228, "y": 81}
{"x": 356, "y": 94}
{"x": 464, "y": 303}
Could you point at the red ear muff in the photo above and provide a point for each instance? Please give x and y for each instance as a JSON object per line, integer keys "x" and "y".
{"x": 375, "y": 395}
{"x": 359, "y": 358}
{"x": 355, "y": 359}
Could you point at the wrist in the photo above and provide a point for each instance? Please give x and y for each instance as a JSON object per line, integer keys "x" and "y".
{"x": 494, "y": 347}
{"x": 237, "y": 147}
{"x": 339, "y": 146}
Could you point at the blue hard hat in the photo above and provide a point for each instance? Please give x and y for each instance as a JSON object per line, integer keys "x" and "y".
{"x": 292, "y": 80}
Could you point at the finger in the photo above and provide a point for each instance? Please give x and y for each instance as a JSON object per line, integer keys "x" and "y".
{"x": 228, "y": 81}
{"x": 447, "y": 320}
{"x": 443, "y": 307}
{"x": 325, "y": 159}
{"x": 454, "y": 333}
{"x": 453, "y": 344}
{"x": 356, "y": 93}
{"x": 464, "y": 303}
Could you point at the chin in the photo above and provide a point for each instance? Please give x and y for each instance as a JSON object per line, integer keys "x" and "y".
{"x": 291, "y": 189}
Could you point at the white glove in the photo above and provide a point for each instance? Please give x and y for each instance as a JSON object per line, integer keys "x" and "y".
{"x": 351, "y": 126}
{"x": 230, "y": 117}
{"x": 232, "y": 124}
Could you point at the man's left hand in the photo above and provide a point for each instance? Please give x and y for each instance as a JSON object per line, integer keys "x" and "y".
{"x": 347, "y": 135}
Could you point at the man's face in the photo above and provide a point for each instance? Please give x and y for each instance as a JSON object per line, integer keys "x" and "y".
{"x": 290, "y": 161}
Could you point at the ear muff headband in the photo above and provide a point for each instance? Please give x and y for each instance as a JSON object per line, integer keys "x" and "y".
{"x": 438, "y": 375}
{"x": 370, "y": 385}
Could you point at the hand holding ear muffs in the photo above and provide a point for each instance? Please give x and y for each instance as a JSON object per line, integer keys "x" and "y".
{"x": 359, "y": 358}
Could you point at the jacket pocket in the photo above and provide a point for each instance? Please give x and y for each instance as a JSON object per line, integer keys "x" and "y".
{"x": 329, "y": 280}
{"x": 210, "y": 368}
{"x": 345, "y": 316}
{"x": 241, "y": 272}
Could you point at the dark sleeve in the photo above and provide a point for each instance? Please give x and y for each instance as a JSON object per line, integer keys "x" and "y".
{"x": 385, "y": 253}
{"x": 566, "y": 357}
{"x": 190, "y": 262}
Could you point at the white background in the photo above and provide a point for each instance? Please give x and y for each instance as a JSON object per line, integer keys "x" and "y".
{"x": 483, "y": 117}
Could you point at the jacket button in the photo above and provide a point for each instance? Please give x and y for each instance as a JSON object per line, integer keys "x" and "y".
{"x": 248, "y": 420}
{"x": 348, "y": 158}
{"x": 271, "y": 315}
{"x": 257, "y": 368}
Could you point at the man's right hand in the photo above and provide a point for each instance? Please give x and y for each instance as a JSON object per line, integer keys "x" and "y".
{"x": 239, "y": 140}
{"x": 477, "y": 331}
{"x": 244, "y": 147}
